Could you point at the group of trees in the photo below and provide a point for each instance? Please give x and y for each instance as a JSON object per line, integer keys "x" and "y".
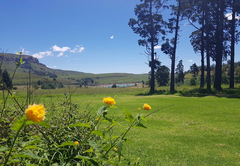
{"x": 215, "y": 35}
{"x": 161, "y": 74}
{"x": 5, "y": 80}
{"x": 85, "y": 82}
{"x": 49, "y": 84}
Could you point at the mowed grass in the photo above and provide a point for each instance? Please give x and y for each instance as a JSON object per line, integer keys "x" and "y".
{"x": 193, "y": 131}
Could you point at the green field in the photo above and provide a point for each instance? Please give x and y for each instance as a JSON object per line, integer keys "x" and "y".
{"x": 193, "y": 131}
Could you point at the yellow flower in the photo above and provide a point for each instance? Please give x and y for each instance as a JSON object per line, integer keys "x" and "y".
{"x": 76, "y": 142}
{"x": 97, "y": 119}
{"x": 109, "y": 101}
{"x": 147, "y": 107}
{"x": 115, "y": 149}
{"x": 139, "y": 109}
{"x": 35, "y": 113}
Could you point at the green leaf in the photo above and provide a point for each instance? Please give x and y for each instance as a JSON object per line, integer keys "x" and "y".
{"x": 44, "y": 124}
{"x": 143, "y": 119}
{"x": 89, "y": 150}
{"x": 119, "y": 147}
{"x": 106, "y": 148}
{"x": 80, "y": 125}
{"x": 97, "y": 132}
{"x": 32, "y": 147}
{"x": 128, "y": 116}
{"x": 94, "y": 145}
{"x": 17, "y": 64}
{"x": 101, "y": 110}
{"x": 140, "y": 125}
{"x": 13, "y": 161}
{"x": 55, "y": 164}
{"x": 67, "y": 144}
{"x": 3, "y": 148}
{"x": 21, "y": 61}
{"x": 26, "y": 155}
{"x": 87, "y": 158}
{"x": 18, "y": 124}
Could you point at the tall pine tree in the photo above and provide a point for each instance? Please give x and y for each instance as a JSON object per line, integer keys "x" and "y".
{"x": 149, "y": 25}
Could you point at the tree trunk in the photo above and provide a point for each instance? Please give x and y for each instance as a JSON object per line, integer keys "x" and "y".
{"x": 232, "y": 46}
{"x": 152, "y": 82}
{"x": 207, "y": 48}
{"x": 202, "y": 47}
{"x": 172, "y": 88}
{"x": 219, "y": 35}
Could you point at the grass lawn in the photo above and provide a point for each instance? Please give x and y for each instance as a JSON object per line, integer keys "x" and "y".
{"x": 194, "y": 131}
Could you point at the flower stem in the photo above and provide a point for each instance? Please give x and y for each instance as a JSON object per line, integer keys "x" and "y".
{"x": 15, "y": 138}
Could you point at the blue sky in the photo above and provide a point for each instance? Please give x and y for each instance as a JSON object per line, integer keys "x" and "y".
{"x": 90, "y": 36}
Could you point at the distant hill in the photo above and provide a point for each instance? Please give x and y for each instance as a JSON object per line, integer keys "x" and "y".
{"x": 39, "y": 71}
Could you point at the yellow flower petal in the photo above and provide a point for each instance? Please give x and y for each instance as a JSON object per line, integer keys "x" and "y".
{"x": 35, "y": 113}
{"x": 109, "y": 101}
{"x": 147, "y": 107}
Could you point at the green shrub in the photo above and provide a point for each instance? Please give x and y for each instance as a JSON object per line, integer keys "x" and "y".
{"x": 193, "y": 81}
{"x": 68, "y": 135}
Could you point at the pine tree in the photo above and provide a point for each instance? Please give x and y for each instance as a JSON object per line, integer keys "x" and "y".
{"x": 149, "y": 25}
{"x": 6, "y": 79}
{"x": 180, "y": 72}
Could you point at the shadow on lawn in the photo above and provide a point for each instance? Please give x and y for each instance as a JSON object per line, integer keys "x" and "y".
{"x": 198, "y": 92}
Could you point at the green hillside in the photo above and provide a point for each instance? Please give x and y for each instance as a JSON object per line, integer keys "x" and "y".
{"x": 41, "y": 72}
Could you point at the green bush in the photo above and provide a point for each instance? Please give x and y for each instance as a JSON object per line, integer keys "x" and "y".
{"x": 193, "y": 81}
{"x": 68, "y": 136}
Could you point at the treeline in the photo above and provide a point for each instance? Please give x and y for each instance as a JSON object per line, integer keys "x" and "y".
{"x": 162, "y": 74}
{"x": 48, "y": 84}
{"x": 216, "y": 32}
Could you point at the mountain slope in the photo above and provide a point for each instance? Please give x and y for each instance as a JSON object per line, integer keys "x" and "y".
{"x": 39, "y": 71}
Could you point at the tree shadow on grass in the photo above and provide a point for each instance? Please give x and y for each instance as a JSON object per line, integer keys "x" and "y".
{"x": 198, "y": 92}
{"x": 157, "y": 92}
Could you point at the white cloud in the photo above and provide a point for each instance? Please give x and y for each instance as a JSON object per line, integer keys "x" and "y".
{"x": 55, "y": 48}
{"x": 112, "y": 37}
{"x": 157, "y": 47}
{"x": 60, "y": 54}
{"x": 42, "y": 54}
{"x": 59, "y": 49}
{"x": 54, "y": 66}
{"x": 47, "y": 53}
{"x": 81, "y": 49}
{"x": 229, "y": 16}
{"x": 24, "y": 52}
{"x": 77, "y": 49}
{"x": 73, "y": 50}
{"x": 39, "y": 56}
{"x": 190, "y": 60}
